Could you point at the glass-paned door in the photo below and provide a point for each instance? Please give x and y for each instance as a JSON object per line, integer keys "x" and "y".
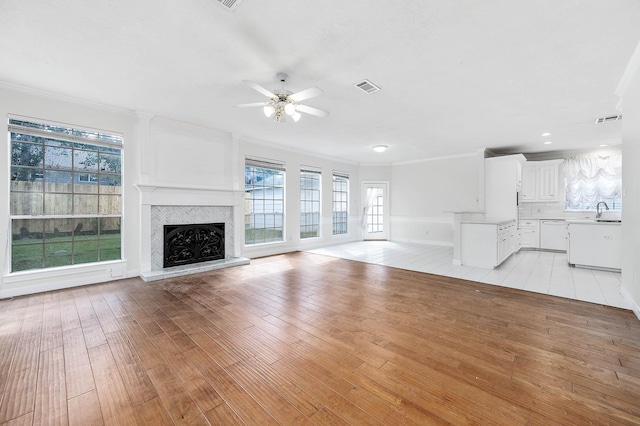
{"x": 375, "y": 211}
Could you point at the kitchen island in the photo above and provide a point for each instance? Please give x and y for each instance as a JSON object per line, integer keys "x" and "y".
{"x": 486, "y": 242}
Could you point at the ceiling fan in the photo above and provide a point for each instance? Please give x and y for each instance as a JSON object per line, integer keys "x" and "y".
{"x": 283, "y": 103}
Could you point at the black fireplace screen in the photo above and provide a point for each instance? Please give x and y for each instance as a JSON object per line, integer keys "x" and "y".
{"x": 193, "y": 243}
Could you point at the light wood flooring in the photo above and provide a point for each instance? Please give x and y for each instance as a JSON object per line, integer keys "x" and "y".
{"x": 311, "y": 339}
{"x": 539, "y": 271}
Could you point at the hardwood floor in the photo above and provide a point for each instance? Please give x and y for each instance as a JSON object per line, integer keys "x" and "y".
{"x": 310, "y": 339}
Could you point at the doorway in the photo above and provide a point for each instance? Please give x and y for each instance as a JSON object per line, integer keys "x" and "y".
{"x": 375, "y": 211}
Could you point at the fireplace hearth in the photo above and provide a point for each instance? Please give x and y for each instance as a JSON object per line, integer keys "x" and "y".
{"x": 193, "y": 243}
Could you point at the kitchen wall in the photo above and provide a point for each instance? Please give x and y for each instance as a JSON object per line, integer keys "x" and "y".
{"x": 556, "y": 210}
{"x": 631, "y": 183}
{"x": 424, "y": 195}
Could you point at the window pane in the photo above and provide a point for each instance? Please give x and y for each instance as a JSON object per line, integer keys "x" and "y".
{"x": 25, "y": 257}
{"x": 264, "y": 205}
{"x": 86, "y": 204}
{"x": 58, "y": 204}
{"x": 60, "y": 177}
{"x": 110, "y": 163}
{"x": 110, "y": 204}
{"x": 57, "y": 181}
{"x": 57, "y": 158}
{"x": 58, "y": 254}
{"x": 85, "y": 183}
{"x": 26, "y": 154}
{"x": 85, "y": 251}
{"x": 24, "y": 179}
{"x": 58, "y": 230}
{"x": 25, "y": 203}
{"x": 27, "y": 231}
{"x": 86, "y": 161}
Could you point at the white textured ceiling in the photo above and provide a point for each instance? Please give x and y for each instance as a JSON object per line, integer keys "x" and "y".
{"x": 456, "y": 76}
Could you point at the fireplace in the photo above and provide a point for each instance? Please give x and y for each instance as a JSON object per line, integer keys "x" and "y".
{"x": 193, "y": 243}
{"x": 179, "y": 206}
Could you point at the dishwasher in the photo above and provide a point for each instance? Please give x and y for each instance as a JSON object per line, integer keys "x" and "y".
{"x": 553, "y": 235}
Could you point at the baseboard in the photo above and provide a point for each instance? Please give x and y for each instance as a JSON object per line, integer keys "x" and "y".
{"x": 634, "y": 306}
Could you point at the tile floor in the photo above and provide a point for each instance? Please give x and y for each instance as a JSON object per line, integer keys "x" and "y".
{"x": 538, "y": 271}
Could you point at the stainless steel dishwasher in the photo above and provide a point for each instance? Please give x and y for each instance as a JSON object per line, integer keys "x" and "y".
{"x": 553, "y": 235}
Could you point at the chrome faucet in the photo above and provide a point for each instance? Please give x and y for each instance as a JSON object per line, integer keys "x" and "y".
{"x": 598, "y": 211}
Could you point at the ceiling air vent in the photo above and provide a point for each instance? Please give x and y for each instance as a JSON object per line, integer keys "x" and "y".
{"x": 367, "y": 87}
{"x": 229, "y": 4}
{"x": 610, "y": 118}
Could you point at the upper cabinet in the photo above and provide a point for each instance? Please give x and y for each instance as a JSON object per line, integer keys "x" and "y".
{"x": 540, "y": 181}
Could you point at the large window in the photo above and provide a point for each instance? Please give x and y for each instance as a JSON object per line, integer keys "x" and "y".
{"x": 309, "y": 202}
{"x": 66, "y": 195}
{"x": 590, "y": 179}
{"x": 340, "y": 203}
{"x": 264, "y": 201}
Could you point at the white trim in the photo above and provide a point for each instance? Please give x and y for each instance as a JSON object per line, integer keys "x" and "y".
{"x": 65, "y": 98}
{"x": 41, "y": 280}
{"x": 446, "y": 157}
{"x": 295, "y": 150}
{"x": 410, "y": 219}
{"x": 632, "y": 303}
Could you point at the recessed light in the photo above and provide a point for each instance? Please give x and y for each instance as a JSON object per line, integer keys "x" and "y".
{"x": 380, "y": 148}
{"x": 548, "y": 143}
{"x": 603, "y": 144}
{"x": 546, "y": 134}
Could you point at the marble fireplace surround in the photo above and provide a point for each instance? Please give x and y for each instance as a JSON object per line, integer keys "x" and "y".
{"x": 173, "y": 205}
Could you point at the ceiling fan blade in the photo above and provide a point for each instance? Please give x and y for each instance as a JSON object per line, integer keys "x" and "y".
{"x": 259, "y": 88}
{"x": 254, "y": 104}
{"x": 311, "y": 110}
{"x": 306, "y": 94}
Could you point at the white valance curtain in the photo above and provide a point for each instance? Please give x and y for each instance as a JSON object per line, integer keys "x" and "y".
{"x": 593, "y": 178}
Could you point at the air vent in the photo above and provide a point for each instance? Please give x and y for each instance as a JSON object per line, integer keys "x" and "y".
{"x": 610, "y": 118}
{"x": 367, "y": 87}
{"x": 230, "y": 5}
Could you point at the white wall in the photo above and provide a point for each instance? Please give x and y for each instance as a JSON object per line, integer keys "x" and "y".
{"x": 424, "y": 195}
{"x": 631, "y": 190}
{"x": 57, "y": 109}
{"x": 179, "y": 158}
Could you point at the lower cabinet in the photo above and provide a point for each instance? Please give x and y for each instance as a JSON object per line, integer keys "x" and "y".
{"x": 596, "y": 245}
{"x": 487, "y": 245}
{"x": 530, "y": 233}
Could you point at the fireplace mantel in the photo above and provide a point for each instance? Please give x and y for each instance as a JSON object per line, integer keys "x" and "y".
{"x": 176, "y": 195}
{"x": 204, "y": 197}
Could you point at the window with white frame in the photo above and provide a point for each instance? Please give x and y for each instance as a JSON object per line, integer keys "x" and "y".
{"x": 340, "y": 203}
{"x": 57, "y": 218}
{"x": 264, "y": 201}
{"x": 593, "y": 178}
{"x": 309, "y": 202}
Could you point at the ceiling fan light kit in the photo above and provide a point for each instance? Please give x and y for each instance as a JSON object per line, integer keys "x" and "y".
{"x": 283, "y": 103}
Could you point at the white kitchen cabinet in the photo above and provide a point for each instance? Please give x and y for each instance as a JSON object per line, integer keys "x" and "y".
{"x": 540, "y": 181}
{"x": 595, "y": 244}
{"x": 529, "y": 183}
{"x": 487, "y": 245}
{"x": 553, "y": 235}
{"x": 502, "y": 183}
{"x": 530, "y": 233}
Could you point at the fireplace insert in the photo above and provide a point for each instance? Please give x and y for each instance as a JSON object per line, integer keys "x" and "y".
{"x": 193, "y": 243}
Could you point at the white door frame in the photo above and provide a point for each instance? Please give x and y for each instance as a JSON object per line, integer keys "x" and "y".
{"x": 385, "y": 210}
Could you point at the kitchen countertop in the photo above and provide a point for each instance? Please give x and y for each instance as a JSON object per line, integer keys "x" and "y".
{"x": 591, "y": 222}
{"x": 489, "y": 221}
